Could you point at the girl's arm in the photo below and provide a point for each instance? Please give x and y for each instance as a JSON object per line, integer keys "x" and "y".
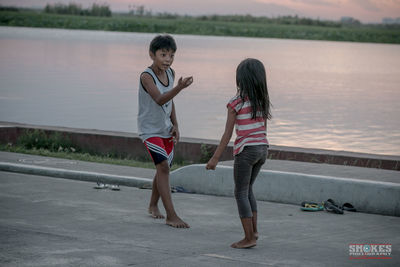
{"x": 161, "y": 99}
{"x": 175, "y": 129}
{"x": 226, "y": 137}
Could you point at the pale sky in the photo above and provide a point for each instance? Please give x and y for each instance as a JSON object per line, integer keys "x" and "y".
{"x": 363, "y": 10}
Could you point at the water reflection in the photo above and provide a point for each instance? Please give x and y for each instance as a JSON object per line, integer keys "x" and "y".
{"x": 342, "y": 96}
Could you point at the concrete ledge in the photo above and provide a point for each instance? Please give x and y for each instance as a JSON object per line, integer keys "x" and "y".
{"x": 75, "y": 175}
{"x": 293, "y": 188}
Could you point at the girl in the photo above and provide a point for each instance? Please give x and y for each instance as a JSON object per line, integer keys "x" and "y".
{"x": 248, "y": 111}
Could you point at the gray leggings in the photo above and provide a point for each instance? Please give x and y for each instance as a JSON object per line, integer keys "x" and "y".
{"x": 246, "y": 168}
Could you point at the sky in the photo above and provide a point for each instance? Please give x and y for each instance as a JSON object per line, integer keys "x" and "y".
{"x": 367, "y": 11}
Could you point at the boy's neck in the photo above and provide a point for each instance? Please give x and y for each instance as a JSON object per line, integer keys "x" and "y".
{"x": 156, "y": 70}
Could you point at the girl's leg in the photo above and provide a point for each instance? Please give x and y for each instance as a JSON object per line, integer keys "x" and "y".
{"x": 249, "y": 240}
{"x": 254, "y": 221}
{"x": 242, "y": 174}
{"x": 242, "y": 169}
{"x": 263, "y": 153}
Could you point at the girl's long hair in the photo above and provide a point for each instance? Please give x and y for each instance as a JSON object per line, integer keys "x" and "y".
{"x": 251, "y": 81}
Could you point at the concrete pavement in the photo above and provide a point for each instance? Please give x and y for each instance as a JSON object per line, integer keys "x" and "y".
{"x": 62, "y": 222}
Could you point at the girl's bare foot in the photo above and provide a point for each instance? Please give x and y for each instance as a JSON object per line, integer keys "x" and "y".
{"x": 244, "y": 243}
{"x": 176, "y": 222}
{"x": 155, "y": 213}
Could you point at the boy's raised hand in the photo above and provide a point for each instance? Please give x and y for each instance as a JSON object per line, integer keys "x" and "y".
{"x": 185, "y": 82}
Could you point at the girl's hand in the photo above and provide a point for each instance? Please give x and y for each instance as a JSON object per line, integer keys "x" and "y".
{"x": 212, "y": 163}
{"x": 175, "y": 134}
{"x": 185, "y": 82}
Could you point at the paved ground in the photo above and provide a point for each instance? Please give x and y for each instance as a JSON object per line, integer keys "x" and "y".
{"x": 48, "y": 221}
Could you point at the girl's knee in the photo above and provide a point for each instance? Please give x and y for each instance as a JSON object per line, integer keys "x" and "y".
{"x": 241, "y": 195}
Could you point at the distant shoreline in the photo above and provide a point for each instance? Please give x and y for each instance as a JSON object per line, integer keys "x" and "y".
{"x": 218, "y": 26}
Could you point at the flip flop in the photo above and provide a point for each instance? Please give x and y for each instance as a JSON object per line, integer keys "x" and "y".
{"x": 180, "y": 189}
{"x": 147, "y": 186}
{"x": 348, "y": 207}
{"x": 311, "y": 206}
{"x": 331, "y": 206}
{"x": 115, "y": 187}
{"x": 100, "y": 186}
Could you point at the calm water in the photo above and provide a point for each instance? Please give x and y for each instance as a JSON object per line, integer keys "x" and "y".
{"x": 330, "y": 95}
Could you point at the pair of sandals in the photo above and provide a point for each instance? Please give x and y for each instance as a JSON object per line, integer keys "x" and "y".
{"x": 113, "y": 187}
{"x": 328, "y": 205}
{"x": 331, "y": 206}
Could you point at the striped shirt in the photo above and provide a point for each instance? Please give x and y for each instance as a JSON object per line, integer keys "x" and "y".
{"x": 249, "y": 132}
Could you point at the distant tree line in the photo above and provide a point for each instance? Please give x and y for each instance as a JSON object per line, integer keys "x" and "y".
{"x": 9, "y": 8}
{"x": 141, "y": 11}
{"x": 99, "y": 10}
{"x": 286, "y": 20}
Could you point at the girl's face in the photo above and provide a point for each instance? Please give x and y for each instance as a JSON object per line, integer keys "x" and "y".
{"x": 163, "y": 58}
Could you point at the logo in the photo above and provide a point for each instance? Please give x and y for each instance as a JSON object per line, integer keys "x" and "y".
{"x": 370, "y": 251}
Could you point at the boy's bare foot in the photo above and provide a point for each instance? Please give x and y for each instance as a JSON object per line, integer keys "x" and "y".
{"x": 244, "y": 243}
{"x": 155, "y": 213}
{"x": 176, "y": 222}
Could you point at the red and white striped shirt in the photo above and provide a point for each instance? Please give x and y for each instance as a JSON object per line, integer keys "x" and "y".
{"x": 249, "y": 132}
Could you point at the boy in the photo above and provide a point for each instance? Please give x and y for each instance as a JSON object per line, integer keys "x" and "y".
{"x": 157, "y": 123}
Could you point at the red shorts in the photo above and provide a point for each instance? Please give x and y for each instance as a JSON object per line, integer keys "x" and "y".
{"x": 160, "y": 149}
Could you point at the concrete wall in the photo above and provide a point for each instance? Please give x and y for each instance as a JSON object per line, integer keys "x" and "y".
{"x": 192, "y": 149}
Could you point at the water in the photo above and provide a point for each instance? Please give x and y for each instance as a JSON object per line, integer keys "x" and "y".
{"x": 329, "y": 95}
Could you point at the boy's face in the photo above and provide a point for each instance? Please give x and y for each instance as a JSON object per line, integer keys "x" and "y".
{"x": 163, "y": 58}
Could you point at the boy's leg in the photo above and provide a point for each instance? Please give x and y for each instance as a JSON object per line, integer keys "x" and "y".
{"x": 155, "y": 196}
{"x": 161, "y": 151}
{"x": 164, "y": 191}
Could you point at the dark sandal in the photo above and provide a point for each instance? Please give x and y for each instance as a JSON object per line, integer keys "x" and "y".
{"x": 348, "y": 207}
{"x": 330, "y": 206}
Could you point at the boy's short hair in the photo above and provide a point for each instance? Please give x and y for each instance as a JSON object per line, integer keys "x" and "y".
{"x": 164, "y": 41}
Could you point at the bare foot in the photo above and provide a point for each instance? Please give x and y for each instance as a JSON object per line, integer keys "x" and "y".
{"x": 176, "y": 222}
{"x": 155, "y": 213}
{"x": 256, "y": 235}
{"x": 244, "y": 243}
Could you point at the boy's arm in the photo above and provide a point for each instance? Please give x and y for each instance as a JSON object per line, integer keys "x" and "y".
{"x": 161, "y": 99}
{"x": 226, "y": 137}
{"x": 175, "y": 129}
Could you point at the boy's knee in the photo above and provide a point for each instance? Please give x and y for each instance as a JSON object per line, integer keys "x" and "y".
{"x": 163, "y": 167}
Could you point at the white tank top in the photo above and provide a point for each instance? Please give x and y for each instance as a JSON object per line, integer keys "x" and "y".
{"x": 153, "y": 119}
